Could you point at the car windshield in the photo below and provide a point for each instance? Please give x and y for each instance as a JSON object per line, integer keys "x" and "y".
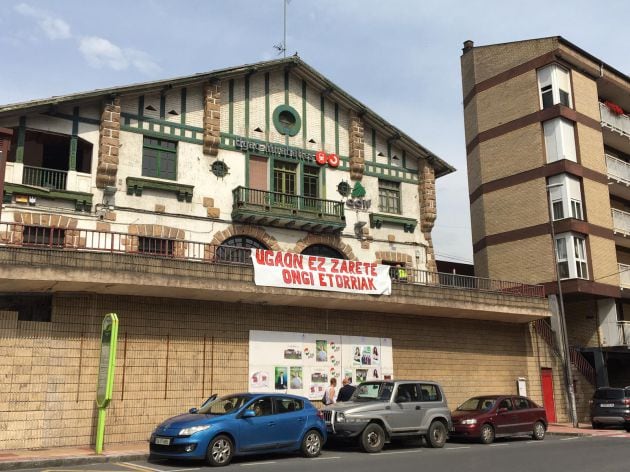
{"x": 224, "y": 405}
{"x": 370, "y": 391}
{"x": 477, "y": 404}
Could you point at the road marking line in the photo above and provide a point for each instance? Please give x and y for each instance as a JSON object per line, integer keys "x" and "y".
{"x": 501, "y": 444}
{"x": 620, "y": 436}
{"x": 397, "y": 452}
{"x": 458, "y": 447}
{"x": 140, "y": 468}
{"x": 257, "y": 463}
{"x": 570, "y": 439}
{"x": 176, "y": 470}
{"x": 326, "y": 458}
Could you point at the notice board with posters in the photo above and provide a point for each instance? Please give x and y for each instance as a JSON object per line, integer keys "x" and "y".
{"x": 304, "y": 363}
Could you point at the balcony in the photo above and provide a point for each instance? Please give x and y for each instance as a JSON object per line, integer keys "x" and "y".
{"x": 47, "y": 178}
{"x": 624, "y": 332}
{"x": 616, "y": 128}
{"x": 287, "y": 211}
{"x": 618, "y": 172}
{"x": 36, "y": 259}
{"x": 624, "y": 275}
{"x": 621, "y": 227}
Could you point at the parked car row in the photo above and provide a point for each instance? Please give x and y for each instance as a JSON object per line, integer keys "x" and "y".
{"x": 611, "y": 407}
{"x": 378, "y": 412}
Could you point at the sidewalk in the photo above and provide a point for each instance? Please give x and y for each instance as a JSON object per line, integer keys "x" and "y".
{"x": 69, "y": 456}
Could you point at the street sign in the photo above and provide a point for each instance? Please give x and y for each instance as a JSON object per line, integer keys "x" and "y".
{"x": 107, "y": 363}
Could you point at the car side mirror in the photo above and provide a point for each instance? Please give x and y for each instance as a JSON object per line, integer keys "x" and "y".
{"x": 502, "y": 410}
{"x": 248, "y": 414}
{"x": 193, "y": 410}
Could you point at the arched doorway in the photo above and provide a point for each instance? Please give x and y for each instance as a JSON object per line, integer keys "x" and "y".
{"x": 237, "y": 249}
{"x": 323, "y": 251}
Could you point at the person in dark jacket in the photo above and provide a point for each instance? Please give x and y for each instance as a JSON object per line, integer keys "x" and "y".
{"x": 346, "y": 391}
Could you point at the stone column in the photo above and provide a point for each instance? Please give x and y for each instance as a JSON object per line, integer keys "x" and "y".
{"x": 357, "y": 150}
{"x": 108, "y": 144}
{"x": 211, "y": 118}
{"x": 428, "y": 208}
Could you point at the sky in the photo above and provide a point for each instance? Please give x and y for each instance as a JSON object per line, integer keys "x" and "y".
{"x": 399, "y": 57}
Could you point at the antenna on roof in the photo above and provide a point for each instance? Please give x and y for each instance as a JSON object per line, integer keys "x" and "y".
{"x": 282, "y": 47}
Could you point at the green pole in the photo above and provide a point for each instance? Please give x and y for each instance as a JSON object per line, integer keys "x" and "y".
{"x": 109, "y": 338}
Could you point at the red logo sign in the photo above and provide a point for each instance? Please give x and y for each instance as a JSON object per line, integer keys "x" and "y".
{"x": 321, "y": 158}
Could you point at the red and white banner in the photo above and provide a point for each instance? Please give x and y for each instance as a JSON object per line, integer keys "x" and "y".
{"x": 288, "y": 270}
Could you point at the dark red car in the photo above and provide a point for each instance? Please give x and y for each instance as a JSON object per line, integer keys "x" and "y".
{"x": 490, "y": 416}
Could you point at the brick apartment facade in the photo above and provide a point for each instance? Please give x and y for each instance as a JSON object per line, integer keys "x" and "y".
{"x": 548, "y": 132}
{"x": 145, "y": 200}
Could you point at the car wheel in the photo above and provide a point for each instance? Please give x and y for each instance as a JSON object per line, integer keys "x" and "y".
{"x": 539, "y": 431}
{"x": 487, "y": 434}
{"x": 596, "y": 425}
{"x": 436, "y": 436}
{"x": 312, "y": 444}
{"x": 220, "y": 451}
{"x": 372, "y": 438}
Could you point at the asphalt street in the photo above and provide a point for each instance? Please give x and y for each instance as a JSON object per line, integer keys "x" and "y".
{"x": 554, "y": 454}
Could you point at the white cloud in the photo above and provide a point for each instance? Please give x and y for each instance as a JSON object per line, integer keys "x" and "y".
{"x": 54, "y": 28}
{"x": 100, "y": 52}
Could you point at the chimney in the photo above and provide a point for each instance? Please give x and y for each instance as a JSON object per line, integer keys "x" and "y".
{"x": 468, "y": 45}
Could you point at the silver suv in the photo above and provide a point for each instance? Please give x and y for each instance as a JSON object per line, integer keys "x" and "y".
{"x": 383, "y": 410}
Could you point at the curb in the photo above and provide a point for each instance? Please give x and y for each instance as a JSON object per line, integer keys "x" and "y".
{"x": 70, "y": 460}
{"x": 567, "y": 433}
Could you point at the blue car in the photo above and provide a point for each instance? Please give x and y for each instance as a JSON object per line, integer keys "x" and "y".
{"x": 244, "y": 423}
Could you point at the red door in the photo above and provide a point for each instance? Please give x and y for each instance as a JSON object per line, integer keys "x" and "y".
{"x": 546, "y": 376}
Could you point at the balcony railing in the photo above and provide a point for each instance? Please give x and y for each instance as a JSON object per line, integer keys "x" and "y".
{"x": 42, "y": 177}
{"x": 617, "y": 123}
{"x": 621, "y": 221}
{"x": 624, "y": 332}
{"x": 287, "y": 211}
{"x": 624, "y": 275}
{"x": 80, "y": 240}
{"x": 618, "y": 169}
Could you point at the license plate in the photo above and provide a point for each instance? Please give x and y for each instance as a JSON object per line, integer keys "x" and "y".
{"x": 163, "y": 441}
{"x": 607, "y": 405}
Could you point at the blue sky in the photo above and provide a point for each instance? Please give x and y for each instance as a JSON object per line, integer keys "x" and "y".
{"x": 399, "y": 57}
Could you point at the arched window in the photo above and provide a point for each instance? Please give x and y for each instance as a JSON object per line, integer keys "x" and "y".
{"x": 237, "y": 249}
{"x": 323, "y": 251}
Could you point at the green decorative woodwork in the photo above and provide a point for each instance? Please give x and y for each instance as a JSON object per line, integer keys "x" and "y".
{"x": 82, "y": 201}
{"x": 135, "y": 185}
{"x": 408, "y": 224}
{"x": 287, "y": 120}
{"x": 287, "y": 211}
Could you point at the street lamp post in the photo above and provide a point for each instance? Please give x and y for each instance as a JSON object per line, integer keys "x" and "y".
{"x": 564, "y": 339}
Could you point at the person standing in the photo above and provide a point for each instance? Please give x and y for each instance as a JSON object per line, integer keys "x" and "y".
{"x": 330, "y": 393}
{"x": 346, "y": 391}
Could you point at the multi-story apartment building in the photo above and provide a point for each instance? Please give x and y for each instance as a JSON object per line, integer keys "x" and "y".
{"x": 146, "y": 201}
{"x": 548, "y": 138}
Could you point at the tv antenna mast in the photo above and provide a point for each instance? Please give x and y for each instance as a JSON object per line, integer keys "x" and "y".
{"x": 282, "y": 47}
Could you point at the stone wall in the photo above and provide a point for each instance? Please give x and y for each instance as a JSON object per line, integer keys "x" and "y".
{"x": 108, "y": 144}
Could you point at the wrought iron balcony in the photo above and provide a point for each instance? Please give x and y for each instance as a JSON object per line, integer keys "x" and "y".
{"x": 47, "y": 178}
{"x": 618, "y": 169}
{"x": 624, "y": 275}
{"x": 621, "y": 222}
{"x": 287, "y": 211}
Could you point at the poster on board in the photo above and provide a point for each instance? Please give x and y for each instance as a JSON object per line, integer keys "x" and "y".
{"x": 304, "y": 363}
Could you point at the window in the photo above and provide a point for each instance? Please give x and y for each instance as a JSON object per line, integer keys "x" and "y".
{"x": 559, "y": 140}
{"x": 310, "y": 186}
{"x": 39, "y": 236}
{"x": 261, "y": 407}
{"x": 521, "y": 404}
{"x": 407, "y": 393}
{"x": 506, "y": 403}
{"x": 155, "y": 246}
{"x": 555, "y": 86}
{"x": 29, "y": 307}
{"x": 323, "y": 251}
{"x": 430, "y": 393}
{"x": 159, "y": 158}
{"x": 566, "y": 197}
{"x": 571, "y": 253}
{"x": 287, "y": 405}
{"x": 237, "y": 249}
{"x": 389, "y": 196}
{"x": 284, "y": 183}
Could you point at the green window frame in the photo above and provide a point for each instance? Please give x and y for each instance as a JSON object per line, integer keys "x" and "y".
{"x": 159, "y": 158}
{"x": 310, "y": 183}
{"x": 389, "y": 196}
{"x": 285, "y": 184}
